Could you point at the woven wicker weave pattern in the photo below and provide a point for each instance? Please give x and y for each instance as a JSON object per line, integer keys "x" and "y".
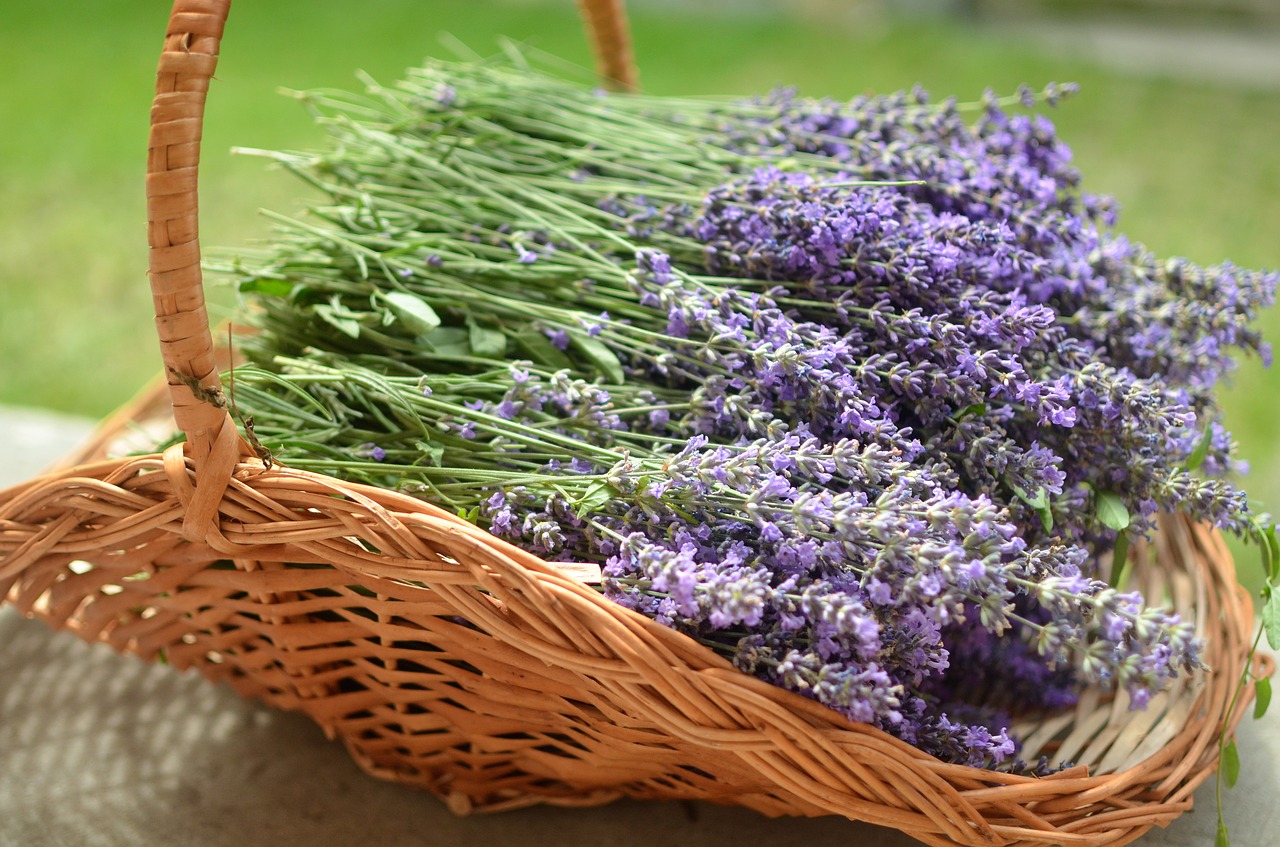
{"x": 447, "y": 659}
{"x": 468, "y": 667}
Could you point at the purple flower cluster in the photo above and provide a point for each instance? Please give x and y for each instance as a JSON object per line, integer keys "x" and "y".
{"x": 983, "y": 320}
{"x": 845, "y": 572}
{"x": 867, "y": 428}
{"x": 755, "y": 364}
{"x": 980, "y": 319}
{"x": 988, "y": 315}
{"x": 1004, "y": 167}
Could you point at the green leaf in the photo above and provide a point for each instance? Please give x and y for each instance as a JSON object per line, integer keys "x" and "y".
{"x": 447, "y": 341}
{"x": 1271, "y": 620}
{"x": 1271, "y": 551}
{"x": 1222, "y": 839}
{"x": 1111, "y": 511}
{"x": 1268, "y": 557}
{"x": 486, "y": 341}
{"x": 1119, "y": 558}
{"x": 266, "y": 286}
{"x": 538, "y": 348}
{"x": 1262, "y": 690}
{"x": 600, "y": 355}
{"x": 433, "y": 454}
{"x": 1231, "y": 764}
{"x": 412, "y": 311}
{"x": 1046, "y": 519}
{"x": 596, "y": 496}
{"x": 971, "y": 411}
{"x": 333, "y": 317}
{"x": 1198, "y": 455}
{"x": 1039, "y": 501}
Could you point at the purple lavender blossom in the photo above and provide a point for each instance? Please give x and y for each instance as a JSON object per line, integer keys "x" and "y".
{"x": 372, "y": 451}
{"x": 865, "y": 428}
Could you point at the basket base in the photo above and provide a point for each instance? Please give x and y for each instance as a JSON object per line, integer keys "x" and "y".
{"x": 113, "y": 750}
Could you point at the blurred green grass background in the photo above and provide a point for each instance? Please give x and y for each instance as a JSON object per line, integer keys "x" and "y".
{"x": 1195, "y": 165}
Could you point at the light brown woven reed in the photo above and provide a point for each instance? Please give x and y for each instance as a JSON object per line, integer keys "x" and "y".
{"x": 607, "y": 28}
{"x": 447, "y": 659}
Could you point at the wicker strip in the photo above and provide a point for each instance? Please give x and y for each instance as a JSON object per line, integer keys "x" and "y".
{"x": 447, "y": 659}
{"x": 610, "y": 37}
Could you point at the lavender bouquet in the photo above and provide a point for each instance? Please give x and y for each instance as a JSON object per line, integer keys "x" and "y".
{"x": 868, "y": 397}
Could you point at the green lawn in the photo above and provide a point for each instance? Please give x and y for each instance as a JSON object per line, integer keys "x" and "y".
{"x": 1195, "y": 166}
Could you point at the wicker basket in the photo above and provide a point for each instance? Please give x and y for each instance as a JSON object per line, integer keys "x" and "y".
{"x": 447, "y": 659}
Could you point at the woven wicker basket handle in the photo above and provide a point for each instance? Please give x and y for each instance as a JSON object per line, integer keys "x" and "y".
{"x": 606, "y": 23}
{"x": 186, "y": 344}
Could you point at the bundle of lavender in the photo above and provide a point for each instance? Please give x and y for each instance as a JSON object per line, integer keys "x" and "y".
{"x": 867, "y": 397}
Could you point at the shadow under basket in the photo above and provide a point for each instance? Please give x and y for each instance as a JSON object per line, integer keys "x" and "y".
{"x": 447, "y": 659}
